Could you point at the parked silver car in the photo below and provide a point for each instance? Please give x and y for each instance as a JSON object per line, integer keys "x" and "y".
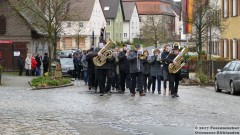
{"x": 67, "y": 66}
{"x": 228, "y": 78}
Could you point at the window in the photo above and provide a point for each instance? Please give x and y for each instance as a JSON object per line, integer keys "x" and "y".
{"x": 234, "y": 49}
{"x": 232, "y": 66}
{"x": 226, "y": 68}
{"x": 81, "y": 24}
{"x": 225, "y": 8}
{"x": 120, "y": 35}
{"x": 106, "y": 8}
{"x": 151, "y": 18}
{"x": 108, "y": 35}
{"x": 125, "y": 35}
{"x": 68, "y": 24}
{"x": 234, "y": 7}
{"x": 2, "y": 24}
{"x": 225, "y": 48}
{"x": 108, "y": 22}
{"x": 237, "y": 67}
{"x": 140, "y": 19}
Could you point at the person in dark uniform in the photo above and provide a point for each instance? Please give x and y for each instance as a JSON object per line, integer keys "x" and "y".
{"x": 156, "y": 70}
{"x": 136, "y": 70}
{"x": 124, "y": 69}
{"x": 165, "y": 67}
{"x": 104, "y": 73}
{"x": 174, "y": 78}
{"x": 92, "y": 83}
{"x": 77, "y": 66}
{"x": 146, "y": 73}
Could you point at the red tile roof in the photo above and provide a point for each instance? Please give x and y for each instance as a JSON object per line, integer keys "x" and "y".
{"x": 154, "y": 8}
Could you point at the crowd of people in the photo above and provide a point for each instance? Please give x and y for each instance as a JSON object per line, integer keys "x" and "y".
{"x": 129, "y": 69}
{"x": 33, "y": 64}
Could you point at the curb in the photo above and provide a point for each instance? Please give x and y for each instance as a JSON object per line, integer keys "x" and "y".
{"x": 52, "y": 87}
{"x": 197, "y": 84}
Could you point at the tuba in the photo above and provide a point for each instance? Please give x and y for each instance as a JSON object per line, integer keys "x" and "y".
{"x": 180, "y": 59}
{"x": 106, "y": 53}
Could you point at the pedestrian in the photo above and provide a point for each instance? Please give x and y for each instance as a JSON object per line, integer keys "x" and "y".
{"x": 174, "y": 77}
{"x": 77, "y": 66}
{"x": 124, "y": 69}
{"x": 45, "y": 62}
{"x": 156, "y": 70}
{"x": 34, "y": 65}
{"x": 28, "y": 65}
{"x": 20, "y": 64}
{"x": 165, "y": 68}
{"x": 146, "y": 73}
{"x": 136, "y": 69}
{"x": 84, "y": 67}
{"x": 39, "y": 63}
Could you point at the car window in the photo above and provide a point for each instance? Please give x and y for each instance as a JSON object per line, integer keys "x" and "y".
{"x": 237, "y": 67}
{"x": 232, "y": 66}
{"x": 66, "y": 61}
{"x": 226, "y": 68}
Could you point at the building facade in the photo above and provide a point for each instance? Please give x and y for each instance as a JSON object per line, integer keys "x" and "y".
{"x": 230, "y": 40}
{"x": 83, "y": 26}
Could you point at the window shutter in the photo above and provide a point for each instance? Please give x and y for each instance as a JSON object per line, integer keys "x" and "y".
{"x": 238, "y": 49}
{"x": 223, "y": 9}
{"x": 2, "y": 25}
{"x": 231, "y": 49}
{"x": 228, "y": 8}
{"x": 237, "y": 3}
{"x": 227, "y": 48}
{"x": 231, "y": 8}
{"x": 222, "y": 48}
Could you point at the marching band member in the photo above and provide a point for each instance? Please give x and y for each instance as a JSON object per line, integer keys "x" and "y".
{"x": 156, "y": 70}
{"x": 165, "y": 67}
{"x": 146, "y": 72}
{"x": 174, "y": 78}
{"x": 124, "y": 69}
{"x": 136, "y": 69}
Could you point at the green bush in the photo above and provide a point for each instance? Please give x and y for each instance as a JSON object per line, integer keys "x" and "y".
{"x": 202, "y": 77}
{"x": 48, "y": 81}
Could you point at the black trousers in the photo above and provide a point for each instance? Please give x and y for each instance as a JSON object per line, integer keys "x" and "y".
{"x": 147, "y": 81}
{"x": 158, "y": 78}
{"x": 91, "y": 78}
{"x": 174, "y": 82}
{"x": 165, "y": 77}
{"x": 20, "y": 71}
{"x": 137, "y": 82}
{"x": 45, "y": 70}
{"x": 116, "y": 80}
{"x": 125, "y": 78}
{"x": 102, "y": 75}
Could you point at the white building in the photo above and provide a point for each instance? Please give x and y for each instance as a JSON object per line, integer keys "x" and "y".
{"x": 131, "y": 28}
{"x": 84, "y": 18}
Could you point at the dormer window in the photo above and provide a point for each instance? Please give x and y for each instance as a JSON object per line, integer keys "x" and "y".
{"x": 68, "y": 24}
{"x": 81, "y": 24}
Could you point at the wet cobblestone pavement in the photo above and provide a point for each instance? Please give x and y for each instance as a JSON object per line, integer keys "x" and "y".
{"x": 77, "y": 111}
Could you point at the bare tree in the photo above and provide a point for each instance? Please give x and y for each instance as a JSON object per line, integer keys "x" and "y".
{"x": 156, "y": 30}
{"x": 45, "y": 15}
{"x": 206, "y": 17}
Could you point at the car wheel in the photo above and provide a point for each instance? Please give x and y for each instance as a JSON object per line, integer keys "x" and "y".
{"x": 232, "y": 88}
{"x": 216, "y": 86}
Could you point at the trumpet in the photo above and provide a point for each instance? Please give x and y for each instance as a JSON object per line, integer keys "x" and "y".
{"x": 142, "y": 56}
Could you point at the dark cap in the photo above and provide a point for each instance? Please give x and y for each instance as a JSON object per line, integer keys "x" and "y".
{"x": 175, "y": 46}
{"x": 138, "y": 46}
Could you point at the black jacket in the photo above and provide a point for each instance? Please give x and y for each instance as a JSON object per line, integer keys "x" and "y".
{"x": 146, "y": 67}
{"x": 20, "y": 62}
{"x": 156, "y": 69}
{"x": 123, "y": 62}
{"x": 38, "y": 59}
{"x": 133, "y": 61}
{"x": 164, "y": 57}
{"x": 45, "y": 61}
{"x": 170, "y": 59}
{"x": 109, "y": 62}
{"x": 89, "y": 59}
